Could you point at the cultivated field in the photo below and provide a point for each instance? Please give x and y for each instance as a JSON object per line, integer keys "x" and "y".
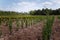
{"x": 29, "y": 27}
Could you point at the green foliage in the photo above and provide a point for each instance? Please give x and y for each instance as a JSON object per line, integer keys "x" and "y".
{"x": 0, "y": 28}
{"x": 0, "y": 33}
{"x": 10, "y": 25}
{"x": 0, "y": 21}
{"x": 26, "y": 21}
{"x": 32, "y": 12}
{"x": 45, "y": 12}
{"x": 17, "y": 23}
{"x": 48, "y": 28}
{"x": 58, "y": 17}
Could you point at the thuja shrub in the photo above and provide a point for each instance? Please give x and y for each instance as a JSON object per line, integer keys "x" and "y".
{"x": 22, "y": 23}
{"x": 0, "y": 21}
{"x": 17, "y": 23}
{"x": 59, "y": 17}
{"x": 10, "y": 25}
{"x": 26, "y": 22}
{"x": 48, "y": 28}
{"x": 0, "y": 28}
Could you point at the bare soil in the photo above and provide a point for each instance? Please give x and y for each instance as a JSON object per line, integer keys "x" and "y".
{"x": 55, "y": 35}
{"x": 31, "y": 33}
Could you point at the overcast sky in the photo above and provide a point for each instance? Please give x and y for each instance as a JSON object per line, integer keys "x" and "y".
{"x": 27, "y": 5}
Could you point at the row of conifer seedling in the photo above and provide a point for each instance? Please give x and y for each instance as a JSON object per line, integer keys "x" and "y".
{"x": 21, "y": 22}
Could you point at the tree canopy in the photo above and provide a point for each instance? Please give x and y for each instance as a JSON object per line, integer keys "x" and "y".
{"x": 45, "y": 12}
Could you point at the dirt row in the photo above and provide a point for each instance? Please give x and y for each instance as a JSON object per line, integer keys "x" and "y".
{"x": 31, "y": 33}
{"x": 55, "y": 35}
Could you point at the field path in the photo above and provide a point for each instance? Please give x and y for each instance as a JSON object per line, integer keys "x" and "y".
{"x": 56, "y": 30}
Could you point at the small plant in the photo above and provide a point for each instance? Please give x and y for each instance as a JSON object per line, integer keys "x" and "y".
{"x": 0, "y": 28}
{"x": 0, "y": 21}
{"x": 17, "y": 23}
{"x": 10, "y": 25}
{"x": 26, "y": 23}
{"x": 48, "y": 28}
{"x": 21, "y": 23}
{"x": 58, "y": 17}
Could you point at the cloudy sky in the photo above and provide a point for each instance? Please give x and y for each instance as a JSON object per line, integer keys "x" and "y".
{"x": 27, "y": 5}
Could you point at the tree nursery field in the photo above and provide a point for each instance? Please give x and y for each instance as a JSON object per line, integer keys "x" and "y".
{"x": 29, "y": 27}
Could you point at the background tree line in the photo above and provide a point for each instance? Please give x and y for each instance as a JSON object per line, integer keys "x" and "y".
{"x": 11, "y": 13}
{"x": 45, "y": 12}
{"x": 33, "y": 12}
